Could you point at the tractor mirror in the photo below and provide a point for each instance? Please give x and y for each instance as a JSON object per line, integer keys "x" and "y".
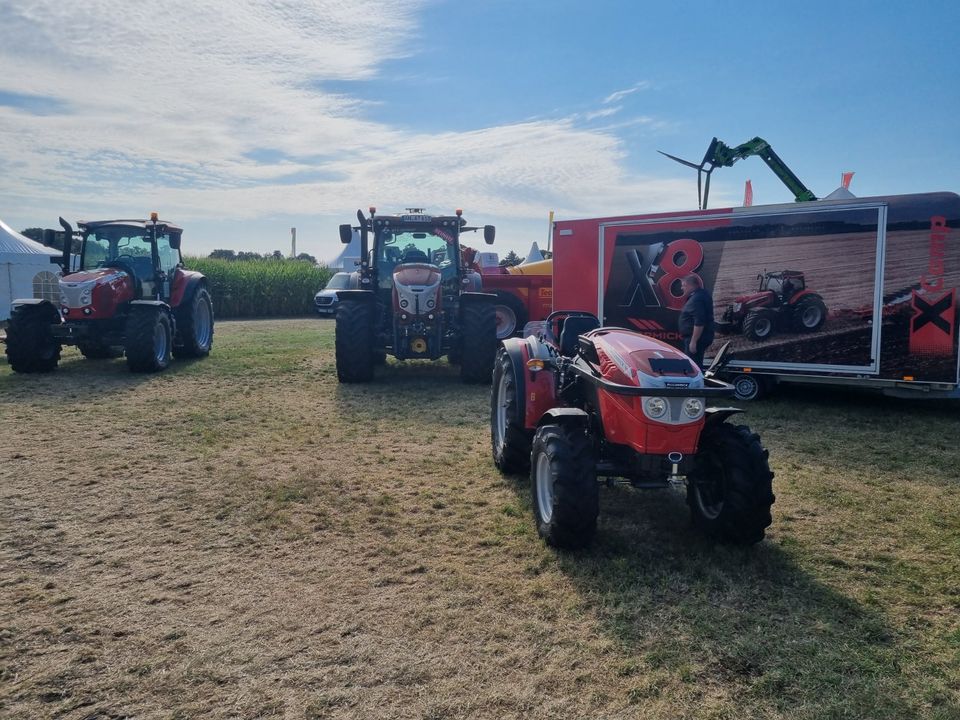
{"x": 719, "y": 361}
{"x": 489, "y": 233}
{"x": 346, "y": 234}
{"x": 175, "y": 241}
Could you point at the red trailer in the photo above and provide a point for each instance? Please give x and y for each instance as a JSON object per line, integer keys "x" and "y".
{"x": 859, "y": 292}
{"x": 524, "y": 293}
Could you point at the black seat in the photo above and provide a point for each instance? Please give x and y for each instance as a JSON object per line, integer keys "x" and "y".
{"x": 574, "y": 327}
{"x": 415, "y": 256}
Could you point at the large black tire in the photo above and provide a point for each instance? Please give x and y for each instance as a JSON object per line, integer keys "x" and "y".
{"x": 194, "y": 326}
{"x": 563, "y": 480}
{"x": 510, "y": 314}
{"x": 98, "y": 351}
{"x": 759, "y": 324}
{"x": 730, "y": 490}
{"x": 809, "y": 314}
{"x": 478, "y": 343}
{"x": 354, "y": 342}
{"x": 149, "y": 339}
{"x": 31, "y": 346}
{"x": 510, "y": 440}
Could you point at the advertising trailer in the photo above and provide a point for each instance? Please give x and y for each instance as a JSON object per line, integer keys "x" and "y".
{"x": 859, "y": 292}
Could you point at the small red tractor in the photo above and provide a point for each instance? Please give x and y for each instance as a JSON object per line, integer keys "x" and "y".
{"x": 414, "y": 297}
{"x": 782, "y": 302}
{"x": 576, "y": 402}
{"x": 130, "y": 296}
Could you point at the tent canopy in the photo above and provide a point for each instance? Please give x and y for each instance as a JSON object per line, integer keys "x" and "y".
{"x": 27, "y": 270}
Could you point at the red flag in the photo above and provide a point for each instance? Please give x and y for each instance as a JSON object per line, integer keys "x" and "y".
{"x": 748, "y": 194}
{"x": 845, "y": 179}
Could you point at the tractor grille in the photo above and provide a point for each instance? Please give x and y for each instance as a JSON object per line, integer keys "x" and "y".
{"x": 325, "y": 300}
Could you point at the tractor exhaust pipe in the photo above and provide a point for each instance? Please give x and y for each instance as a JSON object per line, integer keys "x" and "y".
{"x": 67, "y": 246}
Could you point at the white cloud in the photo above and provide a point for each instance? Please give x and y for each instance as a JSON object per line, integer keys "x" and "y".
{"x": 621, "y": 94}
{"x": 163, "y": 106}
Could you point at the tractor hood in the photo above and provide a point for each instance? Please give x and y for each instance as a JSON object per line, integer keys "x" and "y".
{"x": 417, "y": 288}
{"x": 96, "y": 293}
{"x": 628, "y": 358}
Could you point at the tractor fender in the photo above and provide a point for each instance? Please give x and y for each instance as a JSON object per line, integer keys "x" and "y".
{"x": 185, "y": 286}
{"x": 515, "y": 350}
{"x": 356, "y": 296}
{"x": 565, "y": 416}
{"x": 48, "y": 307}
{"x": 715, "y": 416}
{"x": 477, "y": 298}
{"x": 804, "y": 294}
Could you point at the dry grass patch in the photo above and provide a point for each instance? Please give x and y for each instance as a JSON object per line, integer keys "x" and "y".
{"x": 242, "y": 537}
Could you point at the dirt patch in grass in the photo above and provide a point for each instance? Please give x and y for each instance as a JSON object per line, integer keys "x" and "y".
{"x": 242, "y": 537}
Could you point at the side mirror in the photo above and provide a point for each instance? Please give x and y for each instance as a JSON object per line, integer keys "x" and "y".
{"x": 346, "y": 234}
{"x": 719, "y": 361}
{"x": 175, "y": 241}
{"x": 489, "y": 233}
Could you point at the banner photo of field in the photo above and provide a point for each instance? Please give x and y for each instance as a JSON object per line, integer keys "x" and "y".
{"x": 837, "y": 289}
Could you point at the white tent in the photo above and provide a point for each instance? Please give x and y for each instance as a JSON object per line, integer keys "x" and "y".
{"x": 349, "y": 257}
{"x": 534, "y": 255}
{"x": 26, "y": 270}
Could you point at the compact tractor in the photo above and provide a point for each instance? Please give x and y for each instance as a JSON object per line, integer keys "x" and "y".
{"x": 414, "y": 297}
{"x": 577, "y": 402}
{"x": 782, "y": 302}
{"x": 130, "y": 296}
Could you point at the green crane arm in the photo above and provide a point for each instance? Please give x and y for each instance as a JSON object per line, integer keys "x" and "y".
{"x": 719, "y": 154}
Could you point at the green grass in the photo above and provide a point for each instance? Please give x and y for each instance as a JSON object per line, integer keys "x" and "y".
{"x": 243, "y": 527}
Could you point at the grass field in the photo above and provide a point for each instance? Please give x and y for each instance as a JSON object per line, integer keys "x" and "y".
{"x": 241, "y": 537}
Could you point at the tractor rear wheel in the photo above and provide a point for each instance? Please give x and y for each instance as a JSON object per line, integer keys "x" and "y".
{"x": 809, "y": 314}
{"x": 354, "y": 342}
{"x": 511, "y": 441}
{"x": 478, "y": 343}
{"x": 149, "y": 339}
{"x": 99, "y": 351}
{"x": 31, "y": 346}
{"x": 563, "y": 479}
{"x": 759, "y": 324}
{"x": 730, "y": 490}
{"x": 510, "y": 313}
{"x": 195, "y": 327}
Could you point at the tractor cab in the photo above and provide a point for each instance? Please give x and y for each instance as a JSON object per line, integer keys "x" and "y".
{"x": 784, "y": 284}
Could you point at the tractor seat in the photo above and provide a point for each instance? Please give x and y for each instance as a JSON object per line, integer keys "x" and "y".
{"x": 415, "y": 256}
{"x": 573, "y": 328}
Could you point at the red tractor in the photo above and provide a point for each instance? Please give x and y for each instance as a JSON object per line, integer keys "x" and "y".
{"x": 577, "y": 402}
{"x": 130, "y": 296}
{"x": 782, "y": 302}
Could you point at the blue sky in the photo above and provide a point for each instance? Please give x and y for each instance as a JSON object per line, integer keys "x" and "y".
{"x": 240, "y": 119}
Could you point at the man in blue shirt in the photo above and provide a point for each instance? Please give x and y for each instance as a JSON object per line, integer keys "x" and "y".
{"x": 696, "y": 318}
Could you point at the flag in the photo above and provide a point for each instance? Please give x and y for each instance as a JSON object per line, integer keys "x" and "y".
{"x": 845, "y": 179}
{"x": 748, "y": 194}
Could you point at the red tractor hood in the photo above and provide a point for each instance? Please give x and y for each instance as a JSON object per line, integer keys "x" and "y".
{"x": 629, "y": 358}
{"x": 95, "y": 293}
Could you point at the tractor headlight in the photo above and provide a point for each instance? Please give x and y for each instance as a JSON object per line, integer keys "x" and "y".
{"x": 656, "y": 407}
{"x": 693, "y": 408}
{"x": 63, "y": 299}
{"x": 430, "y": 303}
{"x": 403, "y": 303}
{"x": 86, "y": 296}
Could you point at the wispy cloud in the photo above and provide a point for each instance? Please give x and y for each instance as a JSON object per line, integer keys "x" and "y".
{"x": 621, "y": 94}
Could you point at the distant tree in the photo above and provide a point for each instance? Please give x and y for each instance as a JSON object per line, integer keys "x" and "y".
{"x": 246, "y": 255}
{"x": 547, "y": 254}
{"x": 277, "y": 255}
{"x": 511, "y": 259}
{"x": 223, "y": 255}
{"x": 307, "y": 258}
{"x": 35, "y": 234}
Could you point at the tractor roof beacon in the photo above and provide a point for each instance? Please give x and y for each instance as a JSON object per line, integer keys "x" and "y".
{"x": 130, "y": 296}
{"x": 577, "y": 402}
{"x": 413, "y": 297}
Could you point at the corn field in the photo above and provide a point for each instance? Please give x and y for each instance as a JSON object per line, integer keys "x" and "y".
{"x": 261, "y": 288}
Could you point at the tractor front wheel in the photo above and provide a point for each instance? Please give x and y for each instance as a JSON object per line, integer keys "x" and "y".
{"x": 759, "y": 324}
{"x": 478, "y": 346}
{"x": 511, "y": 441}
{"x": 809, "y": 314}
{"x": 354, "y": 342}
{"x": 563, "y": 479}
{"x": 149, "y": 339}
{"x": 195, "y": 327}
{"x": 31, "y": 346}
{"x": 730, "y": 490}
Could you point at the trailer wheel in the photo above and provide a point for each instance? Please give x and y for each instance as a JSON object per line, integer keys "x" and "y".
{"x": 511, "y": 314}
{"x": 563, "y": 479}
{"x": 749, "y": 387}
{"x": 31, "y": 346}
{"x": 195, "y": 327}
{"x": 99, "y": 351}
{"x": 730, "y": 490}
{"x": 759, "y": 324}
{"x": 354, "y": 342}
{"x": 510, "y": 440}
{"x": 479, "y": 343}
{"x": 148, "y": 339}
{"x": 809, "y": 314}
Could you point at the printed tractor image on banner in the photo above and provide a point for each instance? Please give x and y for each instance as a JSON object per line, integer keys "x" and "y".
{"x": 864, "y": 287}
